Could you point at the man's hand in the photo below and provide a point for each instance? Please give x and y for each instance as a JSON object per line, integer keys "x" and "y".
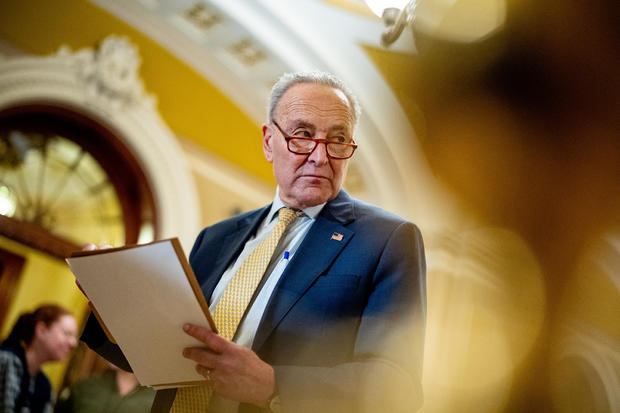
{"x": 235, "y": 372}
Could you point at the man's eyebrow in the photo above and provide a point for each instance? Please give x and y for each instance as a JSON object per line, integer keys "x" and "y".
{"x": 339, "y": 128}
{"x": 303, "y": 124}
{"x": 307, "y": 125}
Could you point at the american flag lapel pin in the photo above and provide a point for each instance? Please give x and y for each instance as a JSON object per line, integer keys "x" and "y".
{"x": 337, "y": 236}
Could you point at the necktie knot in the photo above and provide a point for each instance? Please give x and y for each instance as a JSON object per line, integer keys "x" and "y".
{"x": 287, "y": 215}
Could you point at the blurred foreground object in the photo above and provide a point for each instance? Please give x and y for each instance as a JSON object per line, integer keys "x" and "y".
{"x": 487, "y": 310}
{"x": 459, "y": 21}
{"x": 523, "y": 128}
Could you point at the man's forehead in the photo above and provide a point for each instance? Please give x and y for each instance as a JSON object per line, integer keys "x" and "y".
{"x": 305, "y": 101}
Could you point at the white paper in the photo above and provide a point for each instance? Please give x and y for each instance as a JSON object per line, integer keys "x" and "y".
{"x": 144, "y": 297}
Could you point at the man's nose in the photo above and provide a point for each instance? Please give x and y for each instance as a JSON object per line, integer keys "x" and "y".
{"x": 319, "y": 154}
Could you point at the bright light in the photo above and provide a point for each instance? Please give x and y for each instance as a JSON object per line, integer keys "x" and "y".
{"x": 377, "y": 6}
{"x": 7, "y": 201}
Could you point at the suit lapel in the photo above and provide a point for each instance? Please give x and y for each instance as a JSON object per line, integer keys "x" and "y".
{"x": 324, "y": 241}
{"x": 230, "y": 248}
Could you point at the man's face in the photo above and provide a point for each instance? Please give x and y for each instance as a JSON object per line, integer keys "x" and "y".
{"x": 309, "y": 110}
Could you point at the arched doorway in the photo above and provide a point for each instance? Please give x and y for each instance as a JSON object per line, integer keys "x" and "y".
{"x": 66, "y": 180}
{"x": 84, "y": 157}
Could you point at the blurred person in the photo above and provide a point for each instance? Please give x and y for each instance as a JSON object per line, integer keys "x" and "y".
{"x": 335, "y": 318}
{"x": 112, "y": 391}
{"x": 47, "y": 334}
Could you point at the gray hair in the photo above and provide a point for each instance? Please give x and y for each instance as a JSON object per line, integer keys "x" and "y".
{"x": 287, "y": 80}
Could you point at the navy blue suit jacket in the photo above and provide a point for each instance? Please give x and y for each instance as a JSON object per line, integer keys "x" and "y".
{"x": 344, "y": 328}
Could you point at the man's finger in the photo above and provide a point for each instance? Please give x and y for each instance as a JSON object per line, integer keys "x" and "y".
{"x": 204, "y": 334}
{"x": 201, "y": 356}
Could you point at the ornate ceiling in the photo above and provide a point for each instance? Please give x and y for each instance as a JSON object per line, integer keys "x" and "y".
{"x": 211, "y": 64}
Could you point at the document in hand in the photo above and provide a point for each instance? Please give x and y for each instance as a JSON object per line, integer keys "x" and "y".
{"x": 144, "y": 294}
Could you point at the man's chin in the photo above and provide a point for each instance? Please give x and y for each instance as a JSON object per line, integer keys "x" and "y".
{"x": 311, "y": 198}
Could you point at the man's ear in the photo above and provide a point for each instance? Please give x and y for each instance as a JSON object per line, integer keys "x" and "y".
{"x": 267, "y": 143}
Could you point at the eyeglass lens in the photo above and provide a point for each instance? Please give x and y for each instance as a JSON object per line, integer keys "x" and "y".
{"x": 304, "y": 146}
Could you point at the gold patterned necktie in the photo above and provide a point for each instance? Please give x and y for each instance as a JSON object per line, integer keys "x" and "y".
{"x": 232, "y": 305}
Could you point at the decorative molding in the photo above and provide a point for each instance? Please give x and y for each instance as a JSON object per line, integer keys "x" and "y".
{"x": 247, "y": 53}
{"x": 201, "y": 17}
{"x": 104, "y": 84}
{"x": 109, "y": 73}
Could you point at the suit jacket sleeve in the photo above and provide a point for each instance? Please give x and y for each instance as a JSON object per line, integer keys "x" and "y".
{"x": 96, "y": 339}
{"x": 384, "y": 371}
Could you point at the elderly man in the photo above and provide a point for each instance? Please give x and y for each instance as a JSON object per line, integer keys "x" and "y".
{"x": 319, "y": 299}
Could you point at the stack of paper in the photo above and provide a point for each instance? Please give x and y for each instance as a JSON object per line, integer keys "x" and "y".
{"x": 144, "y": 294}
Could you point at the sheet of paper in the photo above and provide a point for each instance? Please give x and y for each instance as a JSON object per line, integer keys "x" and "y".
{"x": 144, "y": 297}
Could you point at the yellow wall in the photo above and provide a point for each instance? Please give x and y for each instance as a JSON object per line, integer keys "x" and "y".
{"x": 44, "y": 279}
{"x": 190, "y": 105}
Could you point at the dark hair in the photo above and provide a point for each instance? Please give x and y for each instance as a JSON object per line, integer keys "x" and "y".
{"x": 23, "y": 329}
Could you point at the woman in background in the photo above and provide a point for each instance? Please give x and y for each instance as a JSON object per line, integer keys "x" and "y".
{"x": 47, "y": 334}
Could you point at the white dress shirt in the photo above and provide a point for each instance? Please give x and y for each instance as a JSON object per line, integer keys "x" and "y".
{"x": 284, "y": 252}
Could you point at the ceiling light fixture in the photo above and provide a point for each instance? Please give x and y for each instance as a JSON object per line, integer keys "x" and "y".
{"x": 396, "y": 15}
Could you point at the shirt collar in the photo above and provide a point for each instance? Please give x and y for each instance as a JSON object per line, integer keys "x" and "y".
{"x": 312, "y": 212}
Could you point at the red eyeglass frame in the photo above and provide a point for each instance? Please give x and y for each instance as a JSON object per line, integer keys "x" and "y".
{"x": 316, "y": 141}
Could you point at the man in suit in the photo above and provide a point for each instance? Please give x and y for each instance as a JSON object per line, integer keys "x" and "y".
{"x": 336, "y": 322}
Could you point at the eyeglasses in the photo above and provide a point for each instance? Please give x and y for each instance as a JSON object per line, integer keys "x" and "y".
{"x": 305, "y": 146}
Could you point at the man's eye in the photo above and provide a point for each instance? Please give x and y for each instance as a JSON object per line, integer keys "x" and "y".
{"x": 339, "y": 139}
{"x": 303, "y": 134}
